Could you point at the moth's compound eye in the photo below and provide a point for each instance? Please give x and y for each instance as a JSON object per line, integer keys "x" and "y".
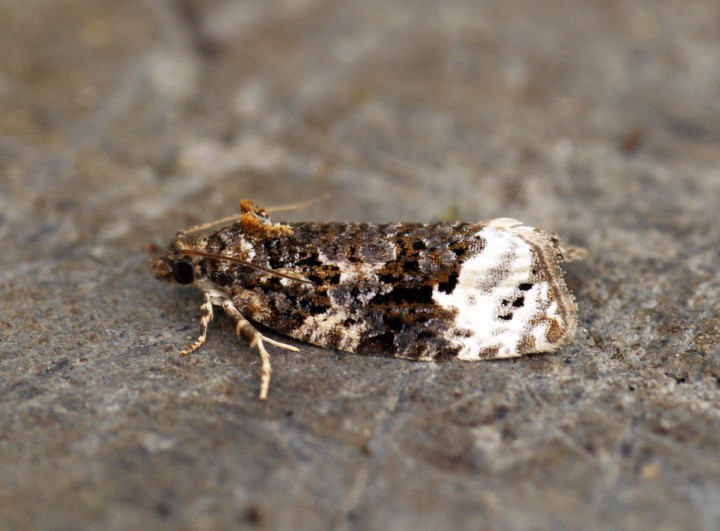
{"x": 183, "y": 272}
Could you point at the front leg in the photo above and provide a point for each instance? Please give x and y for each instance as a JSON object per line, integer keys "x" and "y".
{"x": 247, "y": 332}
{"x": 206, "y": 312}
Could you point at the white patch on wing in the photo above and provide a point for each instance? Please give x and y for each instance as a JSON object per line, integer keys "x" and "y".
{"x": 351, "y": 271}
{"x": 477, "y": 309}
{"x": 316, "y": 327}
{"x": 248, "y": 249}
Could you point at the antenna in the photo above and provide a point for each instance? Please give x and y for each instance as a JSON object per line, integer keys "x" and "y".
{"x": 278, "y": 208}
{"x": 243, "y": 263}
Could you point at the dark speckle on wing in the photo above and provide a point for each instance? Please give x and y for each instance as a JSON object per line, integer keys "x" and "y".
{"x": 371, "y": 286}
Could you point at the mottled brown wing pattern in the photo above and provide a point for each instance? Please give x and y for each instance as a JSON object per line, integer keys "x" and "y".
{"x": 375, "y": 288}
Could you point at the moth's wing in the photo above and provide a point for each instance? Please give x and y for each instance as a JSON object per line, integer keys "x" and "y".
{"x": 327, "y": 315}
{"x": 368, "y": 319}
{"x": 490, "y": 290}
{"x": 510, "y": 295}
{"x": 372, "y": 287}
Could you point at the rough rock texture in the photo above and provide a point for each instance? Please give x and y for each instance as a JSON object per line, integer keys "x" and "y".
{"x": 121, "y": 122}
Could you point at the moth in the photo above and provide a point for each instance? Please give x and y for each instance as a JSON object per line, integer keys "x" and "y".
{"x": 426, "y": 292}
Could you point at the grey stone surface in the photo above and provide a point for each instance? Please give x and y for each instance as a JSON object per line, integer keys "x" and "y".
{"x": 121, "y": 122}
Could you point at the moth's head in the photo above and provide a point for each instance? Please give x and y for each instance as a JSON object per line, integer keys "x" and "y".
{"x": 182, "y": 263}
{"x": 177, "y": 266}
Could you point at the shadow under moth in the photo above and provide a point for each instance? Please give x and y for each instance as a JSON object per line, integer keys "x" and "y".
{"x": 426, "y": 292}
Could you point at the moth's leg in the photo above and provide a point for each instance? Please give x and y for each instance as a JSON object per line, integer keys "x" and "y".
{"x": 249, "y": 334}
{"x": 206, "y": 312}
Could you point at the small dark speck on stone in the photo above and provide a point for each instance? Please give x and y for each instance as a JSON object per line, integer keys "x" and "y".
{"x": 626, "y": 449}
{"x": 632, "y": 141}
{"x": 57, "y": 366}
{"x": 163, "y": 509}
{"x": 252, "y": 515}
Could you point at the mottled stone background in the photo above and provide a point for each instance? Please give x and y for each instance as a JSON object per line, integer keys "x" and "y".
{"x": 121, "y": 122}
